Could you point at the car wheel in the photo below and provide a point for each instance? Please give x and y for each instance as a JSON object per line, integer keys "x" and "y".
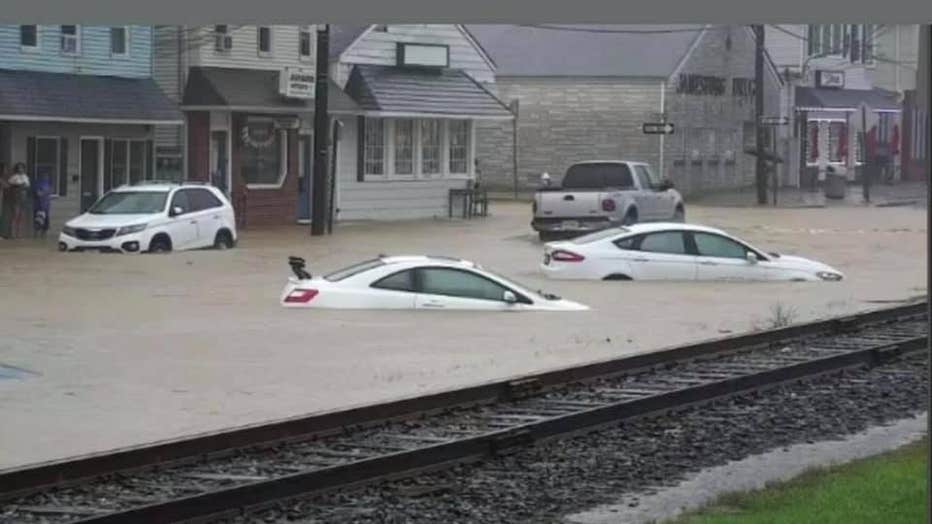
{"x": 223, "y": 240}
{"x": 160, "y": 244}
{"x": 630, "y": 218}
{"x": 679, "y": 215}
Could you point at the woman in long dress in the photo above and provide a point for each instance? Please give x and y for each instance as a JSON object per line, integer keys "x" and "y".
{"x": 19, "y": 186}
{"x": 6, "y": 204}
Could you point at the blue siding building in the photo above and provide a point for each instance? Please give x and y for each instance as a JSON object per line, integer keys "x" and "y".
{"x": 78, "y": 103}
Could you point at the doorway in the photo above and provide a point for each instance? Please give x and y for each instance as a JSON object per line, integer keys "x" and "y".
{"x": 219, "y": 158}
{"x": 91, "y": 171}
{"x": 305, "y": 177}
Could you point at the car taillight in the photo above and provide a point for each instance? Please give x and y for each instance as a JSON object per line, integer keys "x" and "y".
{"x": 608, "y": 205}
{"x": 566, "y": 256}
{"x": 301, "y": 296}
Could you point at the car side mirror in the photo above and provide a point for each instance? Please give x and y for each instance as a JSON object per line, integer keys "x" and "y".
{"x": 175, "y": 211}
{"x": 752, "y": 258}
{"x": 509, "y": 297}
{"x": 665, "y": 184}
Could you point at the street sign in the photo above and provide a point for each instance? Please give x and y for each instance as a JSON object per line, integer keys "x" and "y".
{"x": 658, "y": 128}
{"x": 774, "y": 121}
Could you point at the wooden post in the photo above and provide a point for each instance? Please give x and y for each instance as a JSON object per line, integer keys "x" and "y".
{"x": 760, "y": 166}
{"x": 321, "y": 134}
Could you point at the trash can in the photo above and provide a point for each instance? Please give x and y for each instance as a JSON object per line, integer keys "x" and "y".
{"x": 836, "y": 184}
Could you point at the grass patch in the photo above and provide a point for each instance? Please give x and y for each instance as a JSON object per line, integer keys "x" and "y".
{"x": 887, "y": 489}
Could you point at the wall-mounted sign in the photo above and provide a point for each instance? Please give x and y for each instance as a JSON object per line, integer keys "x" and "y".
{"x": 743, "y": 87}
{"x": 422, "y": 55}
{"x": 294, "y": 82}
{"x": 833, "y": 79}
{"x": 657, "y": 128}
{"x": 701, "y": 85}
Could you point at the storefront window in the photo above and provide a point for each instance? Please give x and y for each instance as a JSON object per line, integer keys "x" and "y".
{"x": 262, "y": 153}
{"x": 431, "y": 147}
{"x": 404, "y": 147}
{"x": 812, "y": 141}
{"x": 459, "y": 146}
{"x": 374, "y": 155}
{"x": 836, "y": 146}
{"x": 137, "y": 161}
{"x": 47, "y": 159}
{"x": 169, "y": 167}
{"x": 118, "y": 164}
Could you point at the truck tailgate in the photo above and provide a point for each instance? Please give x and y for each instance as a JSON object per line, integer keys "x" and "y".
{"x": 569, "y": 204}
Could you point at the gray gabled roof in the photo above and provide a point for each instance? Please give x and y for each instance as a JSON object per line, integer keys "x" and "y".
{"x": 32, "y": 95}
{"x": 341, "y": 36}
{"x": 535, "y": 51}
{"x": 407, "y": 91}
{"x": 234, "y": 87}
{"x": 844, "y": 99}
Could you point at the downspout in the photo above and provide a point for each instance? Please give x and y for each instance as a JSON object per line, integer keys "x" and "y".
{"x": 897, "y": 62}
{"x": 663, "y": 118}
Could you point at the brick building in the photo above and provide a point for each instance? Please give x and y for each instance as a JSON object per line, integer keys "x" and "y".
{"x": 584, "y": 95}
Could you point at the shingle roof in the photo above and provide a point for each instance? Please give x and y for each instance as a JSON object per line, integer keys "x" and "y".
{"x": 86, "y": 97}
{"x": 418, "y": 91}
{"x": 533, "y": 51}
{"x": 219, "y": 86}
{"x": 811, "y": 97}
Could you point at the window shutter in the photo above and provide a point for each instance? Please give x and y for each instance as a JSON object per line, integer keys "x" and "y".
{"x": 31, "y": 157}
{"x": 361, "y": 148}
{"x": 63, "y": 167}
{"x": 150, "y": 160}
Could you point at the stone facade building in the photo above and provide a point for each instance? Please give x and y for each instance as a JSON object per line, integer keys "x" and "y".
{"x": 584, "y": 95}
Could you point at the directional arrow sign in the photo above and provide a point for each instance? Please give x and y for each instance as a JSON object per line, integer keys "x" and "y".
{"x": 774, "y": 120}
{"x": 658, "y": 128}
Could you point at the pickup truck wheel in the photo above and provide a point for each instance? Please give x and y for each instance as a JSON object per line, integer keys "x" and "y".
{"x": 679, "y": 215}
{"x": 630, "y": 218}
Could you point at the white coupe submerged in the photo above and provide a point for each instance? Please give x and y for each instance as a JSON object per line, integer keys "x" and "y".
{"x": 674, "y": 251}
{"x": 415, "y": 282}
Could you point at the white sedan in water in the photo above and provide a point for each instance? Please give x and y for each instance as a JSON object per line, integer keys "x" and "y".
{"x": 674, "y": 251}
{"x": 414, "y": 282}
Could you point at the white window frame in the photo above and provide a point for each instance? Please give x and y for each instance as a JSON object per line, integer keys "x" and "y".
{"x": 77, "y": 41}
{"x": 129, "y": 158}
{"x": 259, "y": 51}
{"x": 388, "y": 144}
{"x": 126, "y": 41}
{"x": 414, "y": 149}
{"x": 56, "y": 191}
{"x": 113, "y": 141}
{"x": 828, "y": 122}
{"x": 386, "y": 162}
{"x": 469, "y": 144}
{"x": 30, "y": 48}
{"x": 302, "y": 30}
{"x": 283, "y": 161}
{"x": 226, "y": 32}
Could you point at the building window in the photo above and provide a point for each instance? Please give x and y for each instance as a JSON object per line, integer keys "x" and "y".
{"x": 304, "y": 44}
{"x": 47, "y": 160}
{"x": 852, "y": 41}
{"x": 137, "y": 161}
{"x": 223, "y": 40}
{"x": 168, "y": 164}
{"x": 264, "y": 155}
{"x": 837, "y": 149}
{"x": 119, "y": 37}
{"x": 70, "y": 40}
{"x": 404, "y": 147}
{"x": 459, "y": 146}
{"x": 380, "y": 28}
{"x": 119, "y": 156}
{"x": 265, "y": 40}
{"x": 431, "y": 147}
{"x": 29, "y": 36}
{"x": 374, "y": 156}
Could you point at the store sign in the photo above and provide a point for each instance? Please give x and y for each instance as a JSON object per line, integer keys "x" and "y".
{"x": 422, "y": 55}
{"x": 832, "y": 79}
{"x": 296, "y": 82}
{"x": 701, "y": 85}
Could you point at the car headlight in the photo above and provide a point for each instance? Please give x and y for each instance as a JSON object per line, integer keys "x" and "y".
{"x": 128, "y": 230}
{"x": 68, "y": 230}
{"x": 828, "y": 275}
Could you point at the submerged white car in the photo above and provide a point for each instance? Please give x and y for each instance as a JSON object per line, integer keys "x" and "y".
{"x": 415, "y": 282}
{"x": 153, "y": 217}
{"x": 674, "y": 251}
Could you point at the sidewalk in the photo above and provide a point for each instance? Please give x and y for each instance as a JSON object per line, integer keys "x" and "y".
{"x": 881, "y": 195}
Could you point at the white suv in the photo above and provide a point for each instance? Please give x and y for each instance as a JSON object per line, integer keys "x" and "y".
{"x": 154, "y": 217}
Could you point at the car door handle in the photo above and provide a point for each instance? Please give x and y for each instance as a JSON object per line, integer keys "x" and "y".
{"x": 193, "y": 222}
{"x": 708, "y": 263}
{"x": 641, "y": 260}
{"x": 434, "y": 305}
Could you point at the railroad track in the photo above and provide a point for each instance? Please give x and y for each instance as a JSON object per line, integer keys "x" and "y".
{"x": 221, "y": 473}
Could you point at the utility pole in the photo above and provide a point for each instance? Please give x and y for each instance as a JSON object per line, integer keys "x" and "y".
{"x": 319, "y": 211}
{"x": 760, "y": 167}
{"x": 514, "y": 145}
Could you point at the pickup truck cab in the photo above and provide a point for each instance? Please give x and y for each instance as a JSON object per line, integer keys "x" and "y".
{"x": 599, "y": 194}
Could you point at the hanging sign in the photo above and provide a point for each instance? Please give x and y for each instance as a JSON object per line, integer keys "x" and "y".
{"x": 295, "y": 82}
{"x": 258, "y": 135}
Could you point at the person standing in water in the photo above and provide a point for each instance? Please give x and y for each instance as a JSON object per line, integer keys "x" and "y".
{"x": 19, "y": 185}
{"x": 41, "y": 205}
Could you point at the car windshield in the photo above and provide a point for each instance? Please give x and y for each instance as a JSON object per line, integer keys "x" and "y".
{"x": 130, "y": 203}
{"x": 600, "y": 235}
{"x": 355, "y": 269}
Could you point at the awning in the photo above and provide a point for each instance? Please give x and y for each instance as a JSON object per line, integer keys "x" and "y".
{"x": 403, "y": 92}
{"x": 59, "y": 97}
{"x": 846, "y": 100}
{"x": 252, "y": 90}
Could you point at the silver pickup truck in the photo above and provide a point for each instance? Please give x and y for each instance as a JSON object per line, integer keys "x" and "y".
{"x": 605, "y": 193}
